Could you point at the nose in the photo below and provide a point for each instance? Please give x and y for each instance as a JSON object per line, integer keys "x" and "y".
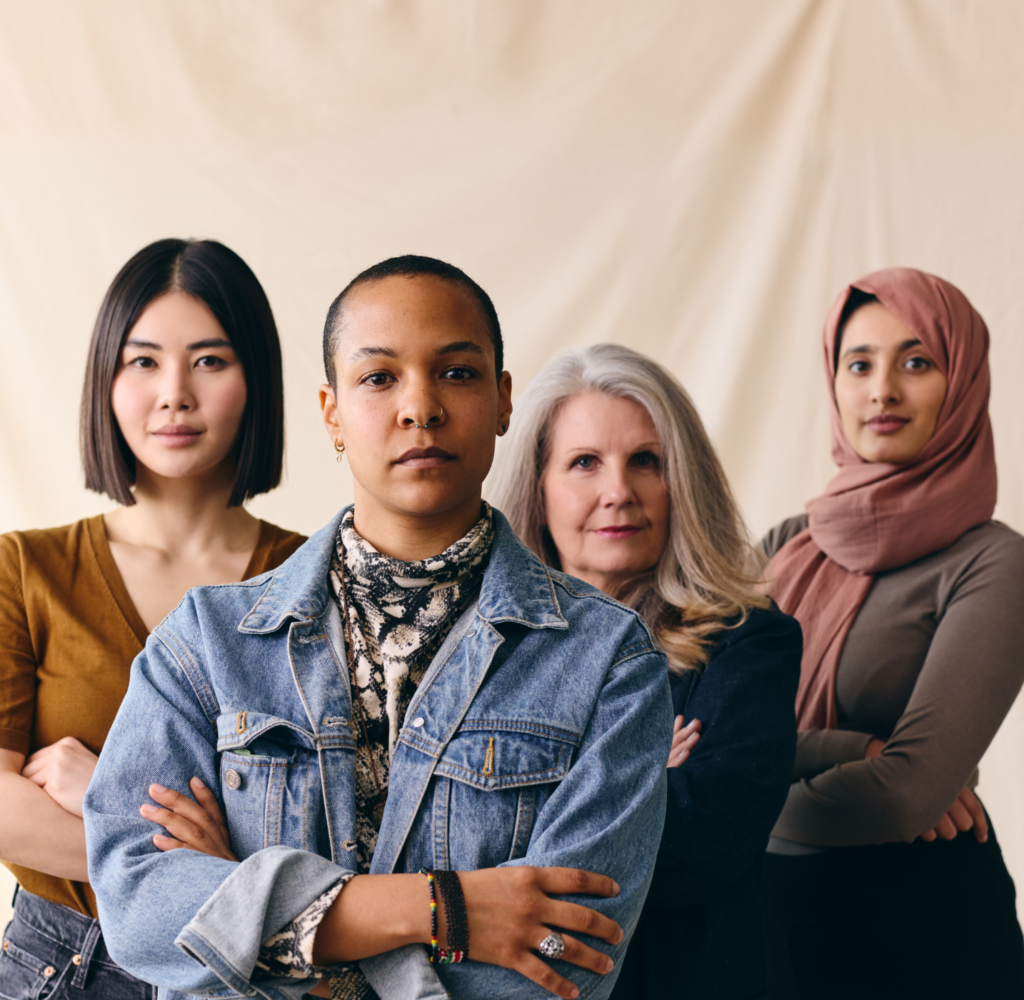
{"x": 176, "y": 389}
{"x": 617, "y": 491}
{"x": 885, "y": 385}
{"x": 420, "y": 409}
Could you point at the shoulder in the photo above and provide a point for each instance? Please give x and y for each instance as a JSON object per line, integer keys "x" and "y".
{"x": 43, "y": 549}
{"x": 783, "y": 532}
{"x": 602, "y": 617}
{"x": 279, "y": 543}
{"x": 761, "y": 625}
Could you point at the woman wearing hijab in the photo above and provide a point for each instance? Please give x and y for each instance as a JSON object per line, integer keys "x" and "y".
{"x": 883, "y": 876}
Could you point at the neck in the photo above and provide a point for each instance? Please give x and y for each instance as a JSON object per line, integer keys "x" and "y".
{"x": 412, "y": 537}
{"x": 183, "y": 517}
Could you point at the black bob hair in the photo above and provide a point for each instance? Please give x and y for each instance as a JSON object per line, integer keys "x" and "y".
{"x": 218, "y": 277}
{"x": 411, "y": 266}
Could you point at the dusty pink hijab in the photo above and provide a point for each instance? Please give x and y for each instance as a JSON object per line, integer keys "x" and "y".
{"x": 874, "y": 516}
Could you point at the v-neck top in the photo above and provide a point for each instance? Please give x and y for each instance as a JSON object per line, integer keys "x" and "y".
{"x": 69, "y": 632}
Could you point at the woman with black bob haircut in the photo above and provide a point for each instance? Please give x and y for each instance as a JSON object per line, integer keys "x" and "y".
{"x": 182, "y": 422}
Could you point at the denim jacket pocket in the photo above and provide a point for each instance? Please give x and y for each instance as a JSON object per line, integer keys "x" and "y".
{"x": 490, "y": 783}
{"x": 270, "y": 784}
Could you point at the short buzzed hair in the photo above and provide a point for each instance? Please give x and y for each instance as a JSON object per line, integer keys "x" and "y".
{"x": 410, "y": 266}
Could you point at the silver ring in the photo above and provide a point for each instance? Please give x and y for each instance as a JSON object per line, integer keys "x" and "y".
{"x": 553, "y": 946}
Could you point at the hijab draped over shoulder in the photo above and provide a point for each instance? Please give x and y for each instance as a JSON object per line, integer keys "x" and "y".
{"x": 876, "y": 516}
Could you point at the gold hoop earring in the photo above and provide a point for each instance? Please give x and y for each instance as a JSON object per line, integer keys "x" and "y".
{"x": 338, "y": 451}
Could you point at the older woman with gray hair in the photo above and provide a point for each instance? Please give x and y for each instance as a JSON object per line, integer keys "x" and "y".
{"x": 609, "y": 475}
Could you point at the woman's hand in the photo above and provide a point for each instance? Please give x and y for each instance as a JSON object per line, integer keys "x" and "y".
{"x": 197, "y": 825}
{"x": 62, "y": 770}
{"x": 511, "y": 911}
{"x": 684, "y": 739}
{"x": 965, "y": 813}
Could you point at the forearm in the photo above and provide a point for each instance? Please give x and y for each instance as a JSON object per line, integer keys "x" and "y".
{"x": 819, "y": 749}
{"x": 37, "y": 833}
{"x": 374, "y": 914}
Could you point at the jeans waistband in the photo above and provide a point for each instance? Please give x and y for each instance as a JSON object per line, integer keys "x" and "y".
{"x": 75, "y": 931}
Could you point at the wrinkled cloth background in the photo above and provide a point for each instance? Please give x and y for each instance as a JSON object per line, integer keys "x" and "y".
{"x": 695, "y": 180}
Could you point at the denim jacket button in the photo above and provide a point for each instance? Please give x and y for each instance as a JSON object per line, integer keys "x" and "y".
{"x": 76, "y": 959}
{"x": 232, "y": 778}
{"x": 49, "y": 971}
{"x": 348, "y": 845}
{"x": 417, "y": 722}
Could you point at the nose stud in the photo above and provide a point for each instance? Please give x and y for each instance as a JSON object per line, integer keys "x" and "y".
{"x": 438, "y": 418}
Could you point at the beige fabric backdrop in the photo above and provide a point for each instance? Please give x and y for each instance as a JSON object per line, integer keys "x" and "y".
{"x": 696, "y": 180}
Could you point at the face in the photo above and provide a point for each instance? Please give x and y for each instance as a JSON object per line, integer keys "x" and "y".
{"x": 888, "y": 387}
{"x": 179, "y": 393}
{"x": 605, "y": 500}
{"x": 417, "y": 404}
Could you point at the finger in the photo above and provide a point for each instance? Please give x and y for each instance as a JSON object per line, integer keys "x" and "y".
{"x": 945, "y": 829}
{"x": 542, "y": 974}
{"x": 581, "y": 920}
{"x": 183, "y": 806}
{"x": 34, "y": 760}
{"x": 973, "y": 805}
{"x": 586, "y": 957}
{"x": 677, "y": 725}
{"x": 574, "y": 881}
{"x": 929, "y": 835}
{"x": 36, "y": 770}
{"x": 678, "y": 759}
{"x": 691, "y": 741}
{"x": 177, "y": 826}
{"x": 960, "y": 817}
{"x": 167, "y": 843}
{"x": 209, "y": 803}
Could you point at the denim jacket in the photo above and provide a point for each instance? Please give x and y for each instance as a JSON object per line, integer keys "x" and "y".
{"x": 538, "y": 736}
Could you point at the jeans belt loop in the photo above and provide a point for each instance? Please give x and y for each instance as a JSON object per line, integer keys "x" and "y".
{"x": 92, "y": 937}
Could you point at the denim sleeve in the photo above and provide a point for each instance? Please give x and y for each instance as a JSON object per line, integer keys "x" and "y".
{"x": 182, "y": 919}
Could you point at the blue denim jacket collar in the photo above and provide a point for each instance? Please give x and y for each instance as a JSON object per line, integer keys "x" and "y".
{"x": 516, "y": 586}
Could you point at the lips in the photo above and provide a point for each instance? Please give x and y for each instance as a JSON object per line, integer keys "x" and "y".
{"x": 177, "y": 435}
{"x": 424, "y": 458}
{"x": 887, "y": 423}
{"x": 617, "y": 531}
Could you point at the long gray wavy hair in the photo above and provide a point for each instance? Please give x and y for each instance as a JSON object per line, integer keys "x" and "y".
{"x": 709, "y": 571}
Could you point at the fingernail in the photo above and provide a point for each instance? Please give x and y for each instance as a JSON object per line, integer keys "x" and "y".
{"x": 609, "y": 965}
{"x": 147, "y": 809}
{"x": 158, "y": 788}
{"x": 197, "y": 781}
{"x": 573, "y": 993}
{"x": 615, "y": 886}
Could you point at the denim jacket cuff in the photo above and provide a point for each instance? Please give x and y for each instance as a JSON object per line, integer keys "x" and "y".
{"x": 263, "y": 894}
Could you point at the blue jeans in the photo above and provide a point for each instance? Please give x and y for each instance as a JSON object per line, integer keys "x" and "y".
{"x": 56, "y": 953}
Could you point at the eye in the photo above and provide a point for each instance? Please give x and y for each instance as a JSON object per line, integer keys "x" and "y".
{"x": 858, "y": 367}
{"x": 211, "y": 361}
{"x": 140, "y": 362}
{"x": 917, "y": 364}
{"x": 458, "y": 373}
{"x": 585, "y": 462}
{"x": 646, "y": 460}
{"x": 377, "y": 379}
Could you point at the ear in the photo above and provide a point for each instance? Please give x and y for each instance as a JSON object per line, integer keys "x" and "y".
{"x": 329, "y": 412}
{"x": 504, "y": 403}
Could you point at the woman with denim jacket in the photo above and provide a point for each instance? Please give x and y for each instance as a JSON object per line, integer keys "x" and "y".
{"x": 412, "y": 690}
{"x": 612, "y": 478}
{"x": 182, "y": 422}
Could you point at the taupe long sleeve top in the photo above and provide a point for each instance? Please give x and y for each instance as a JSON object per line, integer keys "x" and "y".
{"x": 932, "y": 664}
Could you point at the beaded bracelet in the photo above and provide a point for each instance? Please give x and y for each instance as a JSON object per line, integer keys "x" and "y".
{"x": 432, "y": 883}
{"x": 447, "y": 956}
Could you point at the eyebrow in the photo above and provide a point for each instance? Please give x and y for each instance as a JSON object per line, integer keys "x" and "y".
{"x": 456, "y": 347}
{"x": 199, "y": 345}
{"x": 866, "y": 349}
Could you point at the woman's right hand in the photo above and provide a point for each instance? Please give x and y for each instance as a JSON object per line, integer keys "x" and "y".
{"x": 965, "y": 813}
{"x": 684, "y": 739}
{"x": 198, "y": 826}
{"x": 510, "y": 911}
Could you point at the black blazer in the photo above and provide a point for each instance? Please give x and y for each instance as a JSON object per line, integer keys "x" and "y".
{"x": 699, "y": 934}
